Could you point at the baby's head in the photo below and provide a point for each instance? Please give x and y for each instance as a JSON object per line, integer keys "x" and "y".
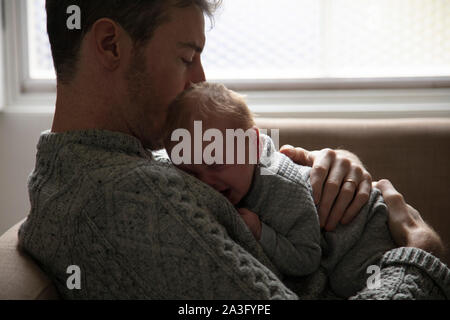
{"x": 224, "y": 164}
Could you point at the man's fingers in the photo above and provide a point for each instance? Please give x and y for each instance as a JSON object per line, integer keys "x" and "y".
{"x": 347, "y": 193}
{"x": 342, "y": 201}
{"x": 331, "y": 189}
{"x": 298, "y": 155}
{"x": 405, "y": 223}
{"x": 326, "y": 178}
{"x": 407, "y": 215}
{"x": 361, "y": 198}
{"x": 392, "y": 197}
{"x": 330, "y": 192}
{"x": 320, "y": 171}
{"x": 317, "y": 178}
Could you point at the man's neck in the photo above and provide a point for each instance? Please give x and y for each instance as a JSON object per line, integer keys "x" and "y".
{"x": 79, "y": 109}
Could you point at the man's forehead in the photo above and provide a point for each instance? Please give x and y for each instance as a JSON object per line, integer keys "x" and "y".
{"x": 187, "y": 25}
{"x": 192, "y": 38}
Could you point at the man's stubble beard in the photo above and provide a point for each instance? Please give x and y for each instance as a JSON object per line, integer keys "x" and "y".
{"x": 145, "y": 121}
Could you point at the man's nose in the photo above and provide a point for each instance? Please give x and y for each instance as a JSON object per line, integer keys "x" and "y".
{"x": 196, "y": 75}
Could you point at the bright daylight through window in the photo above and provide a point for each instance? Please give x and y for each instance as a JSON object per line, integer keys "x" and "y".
{"x": 305, "y": 39}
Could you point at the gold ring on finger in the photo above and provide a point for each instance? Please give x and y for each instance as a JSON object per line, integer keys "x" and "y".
{"x": 351, "y": 181}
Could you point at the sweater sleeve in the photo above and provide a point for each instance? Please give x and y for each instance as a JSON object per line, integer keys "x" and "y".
{"x": 282, "y": 198}
{"x": 351, "y": 249}
{"x": 295, "y": 254}
{"x": 178, "y": 248}
{"x": 408, "y": 274}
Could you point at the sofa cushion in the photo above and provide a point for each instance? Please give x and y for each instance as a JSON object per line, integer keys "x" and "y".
{"x": 20, "y": 277}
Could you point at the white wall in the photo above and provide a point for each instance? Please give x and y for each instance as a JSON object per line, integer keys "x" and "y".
{"x": 19, "y": 134}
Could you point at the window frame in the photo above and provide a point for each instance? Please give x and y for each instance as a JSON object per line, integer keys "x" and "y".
{"x": 2, "y": 56}
{"x": 330, "y": 97}
{"x": 22, "y": 94}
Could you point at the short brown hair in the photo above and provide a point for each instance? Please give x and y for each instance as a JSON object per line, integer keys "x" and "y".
{"x": 139, "y": 18}
{"x": 203, "y": 101}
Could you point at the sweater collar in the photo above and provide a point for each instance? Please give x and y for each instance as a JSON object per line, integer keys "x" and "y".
{"x": 51, "y": 141}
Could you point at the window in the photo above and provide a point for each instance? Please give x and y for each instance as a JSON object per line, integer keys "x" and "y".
{"x": 301, "y": 47}
{"x": 285, "y": 39}
{"x": 39, "y": 54}
{"x": 306, "y": 39}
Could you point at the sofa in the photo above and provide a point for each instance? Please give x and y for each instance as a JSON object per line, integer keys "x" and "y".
{"x": 413, "y": 153}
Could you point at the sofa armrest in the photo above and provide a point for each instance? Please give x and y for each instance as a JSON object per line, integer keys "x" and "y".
{"x": 20, "y": 276}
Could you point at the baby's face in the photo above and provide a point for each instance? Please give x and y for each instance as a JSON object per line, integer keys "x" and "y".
{"x": 232, "y": 180}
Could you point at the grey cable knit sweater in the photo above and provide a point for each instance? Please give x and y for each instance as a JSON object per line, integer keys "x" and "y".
{"x": 138, "y": 228}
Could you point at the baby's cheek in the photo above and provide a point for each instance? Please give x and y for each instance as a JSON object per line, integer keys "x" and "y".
{"x": 243, "y": 179}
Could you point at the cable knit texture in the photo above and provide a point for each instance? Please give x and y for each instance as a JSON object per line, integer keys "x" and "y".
{"x": 139, "y": 228}
{"x": 410, "y": 273}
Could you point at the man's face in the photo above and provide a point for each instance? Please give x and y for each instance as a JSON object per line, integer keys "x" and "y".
{"x": 162, "y": 69}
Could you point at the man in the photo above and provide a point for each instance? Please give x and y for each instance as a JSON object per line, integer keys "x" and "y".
{"x": 135, "y": 226}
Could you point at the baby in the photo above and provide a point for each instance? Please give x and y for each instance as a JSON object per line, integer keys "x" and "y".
{"x": 257, "y": 177}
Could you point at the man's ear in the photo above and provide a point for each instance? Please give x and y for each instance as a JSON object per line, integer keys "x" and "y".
{"x": 108, "y": 39}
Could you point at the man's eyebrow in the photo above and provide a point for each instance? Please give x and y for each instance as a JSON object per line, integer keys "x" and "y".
{"x": 191, "y": 45}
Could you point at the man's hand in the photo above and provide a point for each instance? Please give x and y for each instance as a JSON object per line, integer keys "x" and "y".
{"x": 405, "y": 223}
{"x": 341, "y": 185}
{"x": 252, "y": 221}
